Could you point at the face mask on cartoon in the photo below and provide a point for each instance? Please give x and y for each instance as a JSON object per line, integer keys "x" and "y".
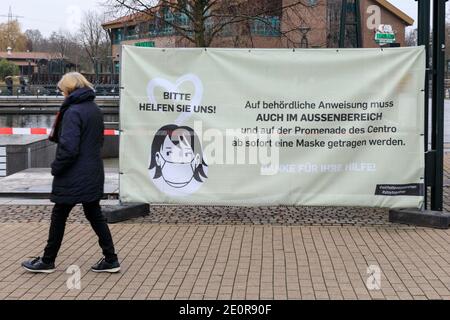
{"x": 177, "y": 175}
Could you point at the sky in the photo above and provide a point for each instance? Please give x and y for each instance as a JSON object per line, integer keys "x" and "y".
{"x": 48, "y": 15}
{"x": 52, "y": 15}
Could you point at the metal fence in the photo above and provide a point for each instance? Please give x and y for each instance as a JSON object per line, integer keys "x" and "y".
{"x": 51, "y": 90}
{"x": 100, "y": 89}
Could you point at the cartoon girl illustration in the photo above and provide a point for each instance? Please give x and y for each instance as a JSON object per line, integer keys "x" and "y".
{"x": 177, "y": 160}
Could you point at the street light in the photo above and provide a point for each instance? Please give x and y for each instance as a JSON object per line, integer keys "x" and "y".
{"x": 112, "y": 69}
{"x": 304, "y": 41}
{"x": 29, "y": 70}
{"x": 95, "y": 60}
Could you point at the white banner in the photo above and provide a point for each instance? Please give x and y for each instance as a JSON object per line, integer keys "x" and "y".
{"x": 273, "y": 126}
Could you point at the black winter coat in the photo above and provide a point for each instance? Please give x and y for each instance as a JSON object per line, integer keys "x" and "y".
{"x": 78, "y": 167}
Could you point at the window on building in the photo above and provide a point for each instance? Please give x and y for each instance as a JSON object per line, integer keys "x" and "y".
{"x": 227, "y": 31}
{"x": 334, "y": 13}
{"x": 142, "y": 30}
{"x": 117, "y": 35}
{"x": 169, "y": 20}
{"x": 181, "y": 19}
{"x": 351, "y": 31}
{"x": 266, "y": 26}
{"x": 152, "y": 28}
{"x": 131, "y": 33}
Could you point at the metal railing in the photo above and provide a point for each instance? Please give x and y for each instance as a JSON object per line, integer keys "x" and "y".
{"x": 51, "y": 90}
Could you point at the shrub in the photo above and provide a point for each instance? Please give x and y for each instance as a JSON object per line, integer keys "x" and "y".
{"x": 7, "y": 69}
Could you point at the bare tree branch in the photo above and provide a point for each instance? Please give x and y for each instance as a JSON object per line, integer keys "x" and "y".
{"x": 206, "y": 19}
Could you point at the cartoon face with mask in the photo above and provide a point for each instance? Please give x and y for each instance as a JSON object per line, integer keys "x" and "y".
{"x": 176, "y": 157}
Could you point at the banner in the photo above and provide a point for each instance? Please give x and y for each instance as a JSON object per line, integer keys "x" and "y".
{"x": 315, "y": 127}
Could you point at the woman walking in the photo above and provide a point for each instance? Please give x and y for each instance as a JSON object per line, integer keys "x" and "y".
{"x": 78, "y": 173}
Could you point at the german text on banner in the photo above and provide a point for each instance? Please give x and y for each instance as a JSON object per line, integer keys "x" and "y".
{"x": 315, "y": 127}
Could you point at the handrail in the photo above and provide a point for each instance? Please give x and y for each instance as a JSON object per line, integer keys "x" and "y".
{"x": 51, "y": 90}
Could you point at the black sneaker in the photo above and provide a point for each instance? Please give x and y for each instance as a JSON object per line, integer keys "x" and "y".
{"x": 105, "y": 266}
{"x": 38, "y": 266}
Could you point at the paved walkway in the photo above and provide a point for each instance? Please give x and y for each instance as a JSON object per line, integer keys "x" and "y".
{"x": 230, "y": 253}
{"x": 234, "y": 262}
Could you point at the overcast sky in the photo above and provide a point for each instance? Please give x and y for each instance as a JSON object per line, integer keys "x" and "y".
{"x": 51, "y": 15}
{"x": 48, "y": 15}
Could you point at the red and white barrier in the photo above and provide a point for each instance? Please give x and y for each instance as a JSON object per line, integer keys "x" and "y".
{"x": 42, "y": 131}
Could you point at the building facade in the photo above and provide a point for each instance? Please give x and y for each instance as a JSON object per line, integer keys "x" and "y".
{"x": 314, "y": 24}
{"x": 39, "y": 67}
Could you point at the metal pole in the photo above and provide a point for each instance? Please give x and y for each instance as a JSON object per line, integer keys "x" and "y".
{"x": 438, "y": 102}
{"x": 359, "y": 40}
{"x": 112, "y": 70}
{"x": 29, "y": 70}
{"x": 304, "y": 43}
{"x": 28, "y": 157}
{"x": 423, "y": 39}
{"x": 343, "y": 24}
{"x": 120, "y": 122}
{"x": 96, "y": 71}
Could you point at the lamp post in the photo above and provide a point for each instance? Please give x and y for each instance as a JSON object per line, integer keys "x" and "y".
{"x": 304, "y": 43}
{"x": 29, "y": 69}
{"x": 95, "y": 62}
{"x": 112, "y": 71}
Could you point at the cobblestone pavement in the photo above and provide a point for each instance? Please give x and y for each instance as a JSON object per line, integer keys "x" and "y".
{"x": 184, "y": 252}
{"x": 287, "y": 216}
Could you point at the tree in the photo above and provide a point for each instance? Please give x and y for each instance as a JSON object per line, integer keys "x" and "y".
{"x": 94, "y": 39}
{"x": 60, "y": 42}
{"x": 411, "y": 38}
{"x": 7, "y": 69}
{"x": 200, "y": 22}
{"x": 64, "y": 46}
{"x": 11, "y": 36}
{"x": 36, "y": 41}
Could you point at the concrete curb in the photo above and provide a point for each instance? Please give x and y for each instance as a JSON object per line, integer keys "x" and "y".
{"x": 430, "y": 219}
{"x": 125, "y": 211}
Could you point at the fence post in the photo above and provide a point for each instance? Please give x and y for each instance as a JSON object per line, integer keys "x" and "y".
{"x": 437, "y": 138}
{"x": 423, "y": 39}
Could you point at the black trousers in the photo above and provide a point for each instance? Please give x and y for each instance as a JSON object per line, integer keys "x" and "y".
{"x": 93, "y": 213}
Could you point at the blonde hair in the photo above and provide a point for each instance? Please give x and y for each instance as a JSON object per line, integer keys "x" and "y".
{"x": 72, "y": 81}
